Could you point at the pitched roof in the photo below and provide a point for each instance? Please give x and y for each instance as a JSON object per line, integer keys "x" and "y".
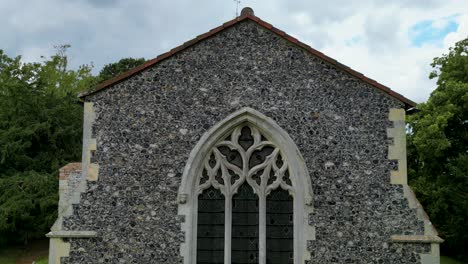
{"x": 247, "y": 14}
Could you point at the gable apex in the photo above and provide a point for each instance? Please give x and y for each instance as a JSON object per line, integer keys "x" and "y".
{"x": 248, "y": 14}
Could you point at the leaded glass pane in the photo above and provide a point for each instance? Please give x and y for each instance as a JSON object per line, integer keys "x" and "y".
{"x": 210, "y": 230}
{"x": 245, "y": 163}
{"x": 279, "y": 228}
{"x": 244, "y": 226}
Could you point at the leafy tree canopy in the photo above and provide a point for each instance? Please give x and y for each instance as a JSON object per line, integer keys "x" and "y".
{"x": 28, "y": 206}
{"x": 40, "y": 131}
{"x": 452, "y": 66}
{"x": 113, "y": 69}
{"x": 438, "y": 150}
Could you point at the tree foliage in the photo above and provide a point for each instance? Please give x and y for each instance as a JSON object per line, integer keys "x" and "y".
{"x": 113, "y": 69}
{"x": 28, "y": 206}
{"x": 40, "y": 131}
{"x": 438, "y": 150}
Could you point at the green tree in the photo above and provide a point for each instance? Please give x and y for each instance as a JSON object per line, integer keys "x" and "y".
{"x": 40, "y": 131}
{"x": 438, "y": 150}
{"x": 28, "y": 206}
{"x": 113, "y": 69}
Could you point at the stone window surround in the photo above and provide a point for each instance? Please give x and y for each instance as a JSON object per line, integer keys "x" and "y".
{"x": 302, "y": 194}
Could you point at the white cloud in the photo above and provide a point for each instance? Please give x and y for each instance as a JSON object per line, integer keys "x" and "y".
{"x": 371, "y": 36}
{"x": 35, "y": 53}
{"x": 375, "y": 40}
{"x": 460, "y": 34}
{"x": 441, "y": 23}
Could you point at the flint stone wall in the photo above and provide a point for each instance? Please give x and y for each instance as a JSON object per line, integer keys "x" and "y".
{"x": 147, "y": 125}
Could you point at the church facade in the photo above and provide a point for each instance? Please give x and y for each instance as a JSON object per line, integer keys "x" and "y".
{"x": 242, "y": 145}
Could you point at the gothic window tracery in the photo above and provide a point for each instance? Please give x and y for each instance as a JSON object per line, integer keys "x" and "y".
{"x": 249, "y": 175}
{"x": 253, "y": 178}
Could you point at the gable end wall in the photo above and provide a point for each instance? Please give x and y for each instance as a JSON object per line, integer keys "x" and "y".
{"x": 146, "y": 126}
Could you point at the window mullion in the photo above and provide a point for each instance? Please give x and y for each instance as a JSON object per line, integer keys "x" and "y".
{"x": 262, "y": 228}
{"x": 227, "y": 228}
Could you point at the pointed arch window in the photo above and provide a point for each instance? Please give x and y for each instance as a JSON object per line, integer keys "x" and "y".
{"x": 245, "y": 195}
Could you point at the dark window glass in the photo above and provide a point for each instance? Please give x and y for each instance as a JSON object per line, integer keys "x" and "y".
{"x": 279, "y": 228}
{"x": 244, "y": 226}
{"x": 210, "y": 231}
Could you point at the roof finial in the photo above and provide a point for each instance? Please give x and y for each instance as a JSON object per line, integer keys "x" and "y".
{"x": 247, "y": 11}
{"x": 237, "y": 7}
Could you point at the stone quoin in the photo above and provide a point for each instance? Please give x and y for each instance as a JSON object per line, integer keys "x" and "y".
{"x": 242, "y": 145}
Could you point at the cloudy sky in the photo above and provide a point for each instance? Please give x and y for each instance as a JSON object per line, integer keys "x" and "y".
{"x": 392, "y": 42}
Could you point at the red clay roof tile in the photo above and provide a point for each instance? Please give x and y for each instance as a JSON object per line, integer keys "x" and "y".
{"x": 408, "y": 103}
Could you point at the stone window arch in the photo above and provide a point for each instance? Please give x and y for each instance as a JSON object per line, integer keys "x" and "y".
{"x": 244, "y": 157}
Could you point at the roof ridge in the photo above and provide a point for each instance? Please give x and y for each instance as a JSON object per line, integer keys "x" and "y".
{"x": 101, "y": 86}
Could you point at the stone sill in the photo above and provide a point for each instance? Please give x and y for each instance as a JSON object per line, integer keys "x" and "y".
{"x": 71, "y": 234}
{"x": 416, "y": 239}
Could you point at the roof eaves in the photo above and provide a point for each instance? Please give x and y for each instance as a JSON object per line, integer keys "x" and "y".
{"x": 408, "y": 103}
{"x": 161, "y": 57}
